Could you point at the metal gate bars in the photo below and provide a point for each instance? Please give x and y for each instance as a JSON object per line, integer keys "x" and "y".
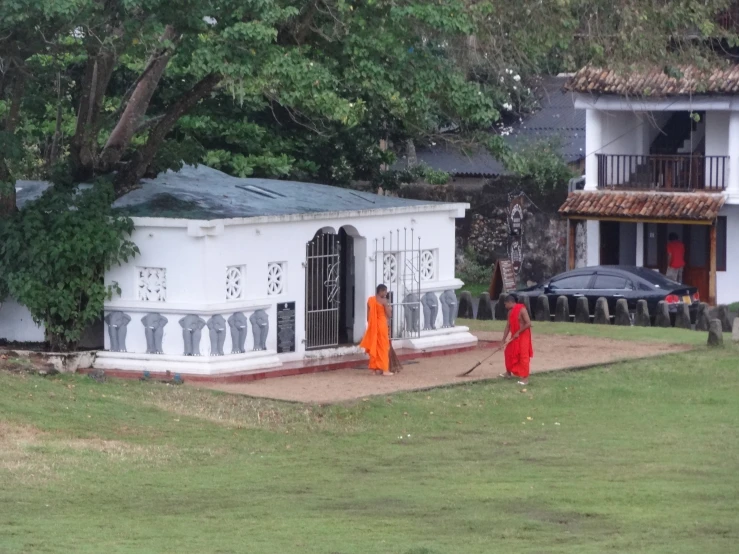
{"x": 322, "y": 298}
{"x": 398, "y": 266}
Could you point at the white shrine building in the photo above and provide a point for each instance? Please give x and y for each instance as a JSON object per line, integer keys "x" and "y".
{"x": 238, "y": 275}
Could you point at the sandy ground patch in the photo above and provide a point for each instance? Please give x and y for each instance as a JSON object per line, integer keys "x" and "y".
{"x": 33, "y": 456}
{"x": 551, "y": 352}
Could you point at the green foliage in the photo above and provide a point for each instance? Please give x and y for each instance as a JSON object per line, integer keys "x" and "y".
{"x": 394, "y": 178}
{"x": 542, "y": 164}
{"x": 308, "y": 90}
{"x": 54, "y": 254}
{"x": 471, "y": 270}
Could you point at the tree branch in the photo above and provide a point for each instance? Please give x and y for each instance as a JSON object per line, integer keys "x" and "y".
{"x": 19, "y": 86}
{"x": 136, "y": 107}
{"x": 144, "y": 156}
{"x": 98, "y": 72}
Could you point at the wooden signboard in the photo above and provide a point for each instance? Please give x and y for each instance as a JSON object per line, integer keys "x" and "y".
{"x": 504, "y": 279}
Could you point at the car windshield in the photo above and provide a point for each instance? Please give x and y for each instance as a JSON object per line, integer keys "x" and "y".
{"x": 656, "y": 279}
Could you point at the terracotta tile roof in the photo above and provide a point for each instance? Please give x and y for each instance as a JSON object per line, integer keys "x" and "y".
{"x": 655, "y": 82}
{"x": 682, "y": 206}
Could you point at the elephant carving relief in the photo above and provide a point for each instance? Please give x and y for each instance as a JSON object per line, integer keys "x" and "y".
{"x": 192, "y": 329}
{"x": 117, "y": 330}
{"x": 260, "y": 329}
{"x": 154, "y": 330}
{"x": 238, "y": 324}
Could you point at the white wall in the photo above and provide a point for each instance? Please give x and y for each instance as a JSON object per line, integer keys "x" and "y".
{"x": 727, "y": 282}
{"x": 639, "y": 244}
{"x": 593, "y": 241}
{"x": 16, "y": 323}
{"x": 621, "y": 133}
{"x": 717, "y": 133}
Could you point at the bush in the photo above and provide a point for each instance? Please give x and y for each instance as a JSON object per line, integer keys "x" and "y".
{"x": 394, "y": 178}
{"x": 470, "y": 269}
{"x": 54, "y": 254}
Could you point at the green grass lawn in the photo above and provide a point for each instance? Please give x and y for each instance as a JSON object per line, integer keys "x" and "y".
{"x": 636, "y": 457}
{"x": 677, "y": 336}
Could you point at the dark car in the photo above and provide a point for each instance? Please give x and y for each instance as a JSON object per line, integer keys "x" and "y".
{"x": 614, "y": 283}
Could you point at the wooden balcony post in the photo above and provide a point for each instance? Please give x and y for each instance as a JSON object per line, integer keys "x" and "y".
{"x": 712, "y": 266}
{"x": 572, "y": 239}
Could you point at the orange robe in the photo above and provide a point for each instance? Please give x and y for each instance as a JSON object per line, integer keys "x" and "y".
{"x": 519, "y": 351}
{"x": 376, "y": 341}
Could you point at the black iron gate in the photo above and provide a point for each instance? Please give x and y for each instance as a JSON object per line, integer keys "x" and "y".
{"x": 322, "y": 291}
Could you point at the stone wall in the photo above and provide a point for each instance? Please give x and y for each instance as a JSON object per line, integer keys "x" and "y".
{"x": 485, "y": 229}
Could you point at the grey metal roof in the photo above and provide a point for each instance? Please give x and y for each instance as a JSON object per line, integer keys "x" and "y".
{"x": 557, "y": 119}
{"x": 26, "y": 191}
{"x": 205, "y": 193}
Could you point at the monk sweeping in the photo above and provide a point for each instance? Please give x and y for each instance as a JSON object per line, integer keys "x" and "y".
{"x": 376, "y": 341}
{"x": 518, "y": 349}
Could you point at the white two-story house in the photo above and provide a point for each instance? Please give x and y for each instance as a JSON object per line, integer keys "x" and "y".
{"x": 662, "y": 157}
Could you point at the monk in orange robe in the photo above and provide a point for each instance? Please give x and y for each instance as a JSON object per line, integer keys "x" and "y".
{"x": 376, "y": 341}
{"x": 518, "y": 349}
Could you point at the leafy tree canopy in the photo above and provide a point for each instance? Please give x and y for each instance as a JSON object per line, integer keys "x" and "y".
{"x": 296, "y": 89}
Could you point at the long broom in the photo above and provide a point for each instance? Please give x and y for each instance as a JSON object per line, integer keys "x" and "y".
{"x": 478, "y": 364}
{"x": 395, "y": 365}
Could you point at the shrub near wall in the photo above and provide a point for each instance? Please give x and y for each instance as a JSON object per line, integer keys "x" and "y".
{"x": 54, "y": 254}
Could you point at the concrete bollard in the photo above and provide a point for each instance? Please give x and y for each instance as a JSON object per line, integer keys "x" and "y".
{"x": 642, "y": 318}
{"x": 682, "y": 317}
{"x": 725, "y": 318}
{"x": 501, "y": 314}
{"x": 703, "y": 318}
{"x": 562, "y": 310}
{"x": 582, "y": 310}
{"x": 601, "y": 316}
{"x": 484, "y": 307}
{"x": 465, "y": 306}
{"x": 715, "y": 333}
{"x": 542, "y": 309}
{"x": 622, "y": 316}
{"x": 662, "y": 317}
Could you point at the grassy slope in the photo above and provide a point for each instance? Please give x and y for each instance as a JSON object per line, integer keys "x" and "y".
{"x": 640, "y": 457}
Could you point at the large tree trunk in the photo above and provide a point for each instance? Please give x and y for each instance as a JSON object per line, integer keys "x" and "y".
{"x": 7, "y": 191}
{"x": 136, "y": 106}
{"x": 83, "y": 147}
{"x": 56, "y": 139}
{"x": 142, "y": 158}
{"x": 7, "y": 182}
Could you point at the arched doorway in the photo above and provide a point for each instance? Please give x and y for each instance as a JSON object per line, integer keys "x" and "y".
{"x": 330, "y": 289}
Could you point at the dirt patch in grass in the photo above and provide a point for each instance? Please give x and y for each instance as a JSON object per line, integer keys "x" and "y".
{"x": 244, "y": 412}
{"x": 33, "y": 456}
{"x": 551, "y": 353}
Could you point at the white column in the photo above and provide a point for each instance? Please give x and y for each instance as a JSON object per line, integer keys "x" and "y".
{"x": 732, "y": 185}
{"x": 593, "y": 242}
{"x": 640, "y": 245}
{"x": 593, "y": 141}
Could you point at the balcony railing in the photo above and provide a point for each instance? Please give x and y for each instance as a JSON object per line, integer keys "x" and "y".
{"x": 670, "y": 173}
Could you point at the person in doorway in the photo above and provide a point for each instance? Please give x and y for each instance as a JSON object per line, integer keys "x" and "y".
{"x": 376, "y": 341}
{"x": 675, "y": 258}
{"x": 518, "y": 348}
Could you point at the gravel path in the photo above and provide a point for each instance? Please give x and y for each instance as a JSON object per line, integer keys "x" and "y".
{"x": 551, "y": 352}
